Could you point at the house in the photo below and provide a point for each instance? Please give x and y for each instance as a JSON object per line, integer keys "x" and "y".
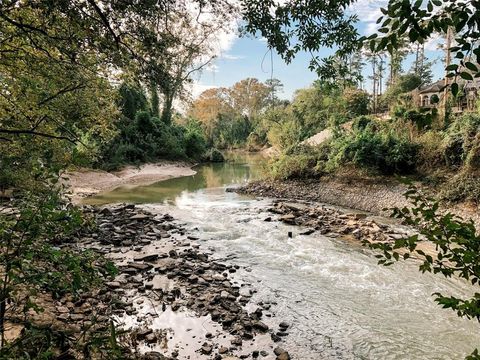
{"x": 431, "y": 96}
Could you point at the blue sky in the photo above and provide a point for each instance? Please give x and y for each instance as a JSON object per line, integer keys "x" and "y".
{"x": 240, "y": 58}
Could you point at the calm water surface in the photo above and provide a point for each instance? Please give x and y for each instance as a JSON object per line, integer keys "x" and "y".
{"x": 341, "y": 304}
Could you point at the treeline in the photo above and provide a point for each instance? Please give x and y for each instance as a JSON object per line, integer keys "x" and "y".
{"x": 420, "y": 143}
{"x": 251, "y": 115}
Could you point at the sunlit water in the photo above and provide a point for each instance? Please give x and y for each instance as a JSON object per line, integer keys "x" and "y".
{"x": 341, "y": 304}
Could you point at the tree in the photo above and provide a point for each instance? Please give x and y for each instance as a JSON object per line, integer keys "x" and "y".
{"x": 249, "y": 97}
{"x": 275, "y": 87}
{"x": 183, "y": 38}
{"x": 397, "y": 57}
{"x": 404, "y": 18}
{"x": 293, "y": 26}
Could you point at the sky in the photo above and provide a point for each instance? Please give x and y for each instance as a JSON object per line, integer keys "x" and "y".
{"x": 241, "y": 57}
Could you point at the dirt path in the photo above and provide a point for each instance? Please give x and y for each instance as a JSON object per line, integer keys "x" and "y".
{"x": 87, "y": 182}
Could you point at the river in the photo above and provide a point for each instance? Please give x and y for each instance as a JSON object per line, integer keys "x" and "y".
{"x": 341, "y": 304}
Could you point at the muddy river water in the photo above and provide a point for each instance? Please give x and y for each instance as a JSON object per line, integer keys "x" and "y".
{"x": 339, "y": 302}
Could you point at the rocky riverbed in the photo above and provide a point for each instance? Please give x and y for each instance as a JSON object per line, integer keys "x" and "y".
{"x": 166, "y": 279}
{"x": 334, "y": 222}
{"x": 373, "y": 195}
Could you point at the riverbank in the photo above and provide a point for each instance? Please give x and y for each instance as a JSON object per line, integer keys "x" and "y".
{"x": 182, "y": 301}
{"x": 376, "y": 196}
{"x": 87, "y": 182}
{"x": 170, "y": 299}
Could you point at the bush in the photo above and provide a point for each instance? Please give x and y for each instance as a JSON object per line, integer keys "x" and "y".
{"x": 462, "y": 142}
{"x": 300, "y": 161}
{"x": 430, "y": 153}
{"x": 462, "y": 187}
{"x": 380, "y": 151}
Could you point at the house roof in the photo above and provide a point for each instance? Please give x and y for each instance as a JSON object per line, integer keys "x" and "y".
{"x": 434, "y": 88}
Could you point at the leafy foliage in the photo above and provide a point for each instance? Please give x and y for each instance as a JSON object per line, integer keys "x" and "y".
{"x": 34, "y": 258}
{"x": 380, "y": 151}
{"x": 295, "y": 26}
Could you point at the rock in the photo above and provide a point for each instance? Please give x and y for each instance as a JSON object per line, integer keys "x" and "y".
{"x": 206, "y": 349}
{"x": 173, "y": 254}
{"x": 147, "y": 258}
{"x": 237, "y": 341}
{"x": 113, "y": 284}
{"x": 260, "y": 326}
{"x": 283, "y": 356}
{"x": 141, "y": 267}
{"x": 360, "y": 216}
{"x": 153, "y": 355}
{"x": 275, "y": 337}
{"x": 357, "y": 233}
{"x": 289, "y": 218}
{"x": 308, "y": 232}
{"x": 268, "y": 219}
{"x": 278, "y": 350}
{"x": 139, "y": 217}
{"x": 63, "y": 309}
{"x": 151, "y": 338}
{"x": 284, "y": 325}
{"x": 76, "y": 317}
{"x": 222, "y": 350}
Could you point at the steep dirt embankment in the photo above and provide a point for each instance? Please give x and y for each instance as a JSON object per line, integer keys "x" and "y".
{"x": 86, "y": 182}
{"x": 372, "y": 195}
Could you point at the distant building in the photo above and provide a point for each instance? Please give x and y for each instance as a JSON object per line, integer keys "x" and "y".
{"x": 431, "y": 96}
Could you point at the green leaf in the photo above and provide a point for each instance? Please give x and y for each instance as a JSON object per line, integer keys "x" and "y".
{"x": 454, "y": 88}
{"x": 471, "y": 66}
{"x": 451, "y": 67}
{"x": 465, "y": 75}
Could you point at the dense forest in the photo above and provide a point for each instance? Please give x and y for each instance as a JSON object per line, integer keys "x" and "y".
{"x": 104, "y": 83}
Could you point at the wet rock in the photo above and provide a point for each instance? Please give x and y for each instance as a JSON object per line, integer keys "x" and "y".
{"x": 139, "y": 217}
{"x": 113, "y": 284}
{"x": 283, "y": 356}
{"x": 237, "y": 341}
{"x": 147, "y": 258}
{"x": 260, "y": 326}
{"x": 206, "y": 349}
{"x": 143, "y": 333}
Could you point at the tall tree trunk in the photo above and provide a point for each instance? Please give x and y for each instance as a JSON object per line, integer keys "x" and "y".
{"x": 154, "y": 101}
{"x": 448, "y": 60}
{"x": 167, "y": 109}
{"x": 374, "y": 76}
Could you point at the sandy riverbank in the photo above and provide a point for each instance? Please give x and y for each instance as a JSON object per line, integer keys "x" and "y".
{"x": 87, "y": 182}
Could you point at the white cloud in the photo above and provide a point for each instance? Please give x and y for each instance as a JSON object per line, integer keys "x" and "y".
{"x": 231, "y": 57}
{"x": 198, "y": 88}
{"x": 368, "y": 12}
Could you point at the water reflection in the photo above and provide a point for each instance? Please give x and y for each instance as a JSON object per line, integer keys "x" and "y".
{"x": 238, "y": 169}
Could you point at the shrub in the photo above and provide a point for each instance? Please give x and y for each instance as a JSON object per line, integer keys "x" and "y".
{"x": 430, "y": 151}
{"x": 462, "y": 187}
{"x": 462, "y": 142}
{"x": 379, "y": 151}
{"x": 301, "y": 161}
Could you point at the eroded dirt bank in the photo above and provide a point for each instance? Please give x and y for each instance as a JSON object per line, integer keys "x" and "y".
{"x": 86, "y": 182}
{"x": 372, "y": 195}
